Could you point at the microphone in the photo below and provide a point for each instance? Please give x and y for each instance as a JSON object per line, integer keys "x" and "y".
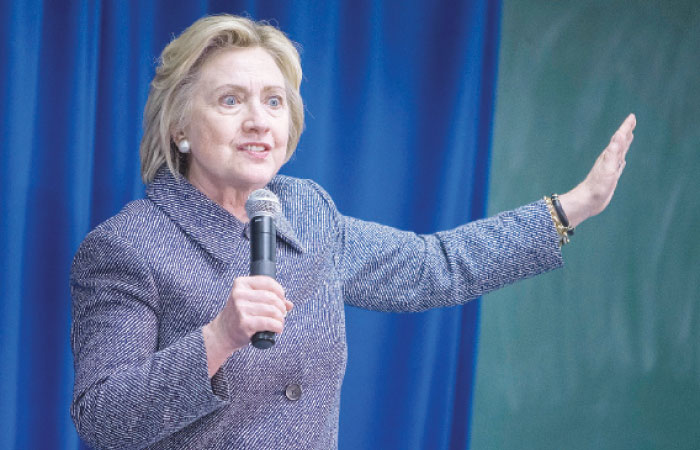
{"x": 262, "y": 207}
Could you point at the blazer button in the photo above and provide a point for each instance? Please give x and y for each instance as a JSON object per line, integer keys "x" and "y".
{"x": 293, "y": 392}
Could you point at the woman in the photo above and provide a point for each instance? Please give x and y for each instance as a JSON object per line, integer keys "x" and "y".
{"x": 163, "y": 309}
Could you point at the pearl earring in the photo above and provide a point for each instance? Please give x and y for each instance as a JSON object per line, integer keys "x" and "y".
{"x": 184, "y": 146}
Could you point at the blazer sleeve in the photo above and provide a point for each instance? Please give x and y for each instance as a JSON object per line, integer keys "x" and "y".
{"x": 127, "y": 392}
{"x": 385, "y": 269}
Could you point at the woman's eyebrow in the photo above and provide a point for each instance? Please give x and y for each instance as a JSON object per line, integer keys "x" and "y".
{"x": 241, "y": 88}
{"x": 230, "y": 87}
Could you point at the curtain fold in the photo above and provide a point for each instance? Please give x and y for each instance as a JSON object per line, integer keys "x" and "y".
{"x": 399, "y": 99}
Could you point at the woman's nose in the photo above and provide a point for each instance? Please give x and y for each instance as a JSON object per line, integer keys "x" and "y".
{"x": 256, "y": 120}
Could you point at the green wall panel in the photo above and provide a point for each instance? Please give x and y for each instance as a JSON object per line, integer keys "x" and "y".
{"x": 604, "y": 353}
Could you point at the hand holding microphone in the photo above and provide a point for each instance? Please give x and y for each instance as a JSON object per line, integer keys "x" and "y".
{"x": 256, "y": 302}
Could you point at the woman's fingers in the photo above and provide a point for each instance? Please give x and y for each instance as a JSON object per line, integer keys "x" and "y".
{"x": 260, "y": 307}
{"x": 261, "y": 289}
{"x": 624, "y": 135}
{"x": 263, "y": 323}
{"x": 613, "y": 157}
{"x": 259, "y": 297}
{"x": 595, "y": 192}
{"x": 262, "y": 282}
{"x": 255, "y": 303}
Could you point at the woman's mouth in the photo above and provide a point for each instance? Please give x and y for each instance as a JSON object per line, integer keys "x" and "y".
{"x": 256, "y": 150}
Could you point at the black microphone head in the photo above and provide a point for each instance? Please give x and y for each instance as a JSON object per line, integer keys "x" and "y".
{"x": 262, "y": 202}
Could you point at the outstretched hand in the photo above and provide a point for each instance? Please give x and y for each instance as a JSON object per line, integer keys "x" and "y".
{"x": 594, "y": 193}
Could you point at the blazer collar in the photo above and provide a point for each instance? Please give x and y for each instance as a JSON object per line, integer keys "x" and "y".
{"x": 210, "y": 225}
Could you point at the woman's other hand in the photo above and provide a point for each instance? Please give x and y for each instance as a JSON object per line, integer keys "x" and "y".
{"x": 256, "y": 303}
{"x": 594, "y": 193}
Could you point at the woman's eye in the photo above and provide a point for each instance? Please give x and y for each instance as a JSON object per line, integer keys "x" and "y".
{"x": 275, "y": 102}
{"x": 229, "y": 100}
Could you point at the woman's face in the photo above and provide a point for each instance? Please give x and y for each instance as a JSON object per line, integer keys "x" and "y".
{"x": 239, "y": 122}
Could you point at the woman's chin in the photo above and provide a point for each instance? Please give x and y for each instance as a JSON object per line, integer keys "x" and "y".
{"x": 255, "y": 179}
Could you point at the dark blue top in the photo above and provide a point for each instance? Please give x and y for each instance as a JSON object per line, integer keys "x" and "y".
{"x": 145, "y": 282}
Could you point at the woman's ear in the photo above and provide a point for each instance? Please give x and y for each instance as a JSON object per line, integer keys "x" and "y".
{"x": 181, "y": 141}
{"x": 177, "y": 135}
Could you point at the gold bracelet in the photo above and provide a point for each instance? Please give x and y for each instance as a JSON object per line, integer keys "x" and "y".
{"x": 562, "y": 231}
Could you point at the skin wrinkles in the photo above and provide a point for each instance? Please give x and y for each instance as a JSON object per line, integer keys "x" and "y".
{"x": 239, "y": 105}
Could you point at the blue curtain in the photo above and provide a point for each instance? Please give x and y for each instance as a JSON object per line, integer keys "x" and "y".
{"x": 399, "y": 99}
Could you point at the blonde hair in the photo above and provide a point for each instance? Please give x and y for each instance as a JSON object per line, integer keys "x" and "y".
{"x": 168, "y": 105}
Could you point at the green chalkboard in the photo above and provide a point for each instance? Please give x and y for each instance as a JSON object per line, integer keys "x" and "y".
{"x": 605, "y": 353}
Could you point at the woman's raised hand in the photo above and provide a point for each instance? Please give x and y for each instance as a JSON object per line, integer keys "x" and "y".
{"x": 594, "y": 193}
{"x": 256, "y": 303}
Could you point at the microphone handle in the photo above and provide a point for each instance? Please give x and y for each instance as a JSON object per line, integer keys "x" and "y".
{"x": 263, "y": 262}
{"x": 263, "y": 339}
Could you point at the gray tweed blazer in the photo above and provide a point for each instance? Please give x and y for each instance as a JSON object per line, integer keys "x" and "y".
{"x": 145, "y": 282}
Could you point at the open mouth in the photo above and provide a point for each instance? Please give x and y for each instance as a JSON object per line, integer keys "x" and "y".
{"x": 255, "y": 150}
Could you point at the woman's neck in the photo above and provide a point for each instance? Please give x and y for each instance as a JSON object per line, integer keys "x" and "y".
{"x": 231, "y": 199}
